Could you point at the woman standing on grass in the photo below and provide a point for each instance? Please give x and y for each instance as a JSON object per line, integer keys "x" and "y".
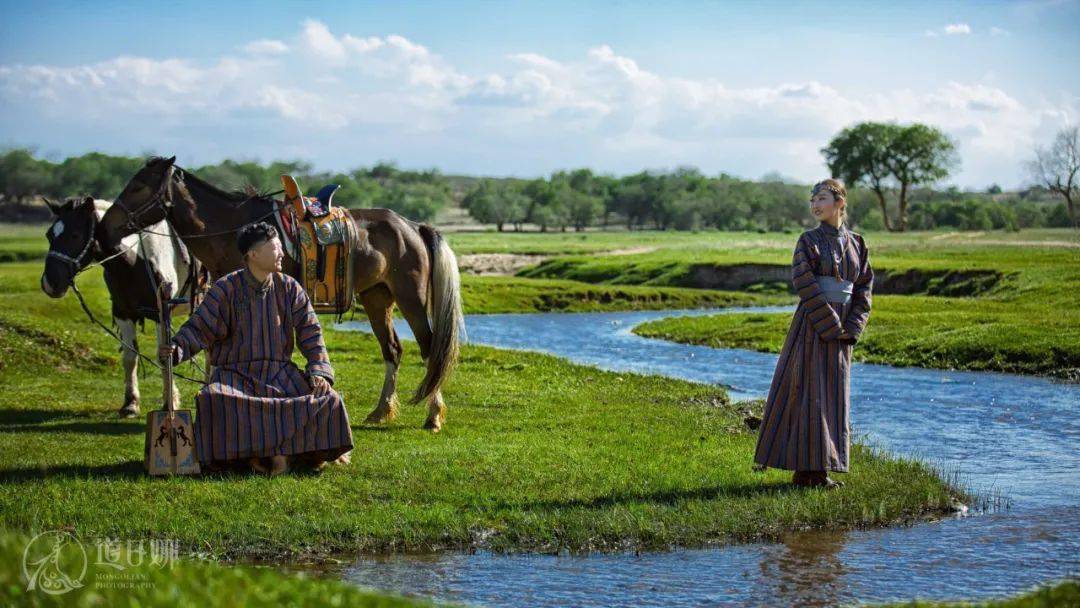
{"x": 805, "y": 424}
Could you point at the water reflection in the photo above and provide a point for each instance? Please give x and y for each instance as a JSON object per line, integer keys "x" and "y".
{"x": 806, "y": 568}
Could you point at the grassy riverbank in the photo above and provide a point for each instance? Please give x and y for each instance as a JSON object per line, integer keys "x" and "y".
{"x": 1022, "y": 316}
{"x": 538, "y": 454}
{"x": 494, "y": 294}
{"x": 911, "y": 331}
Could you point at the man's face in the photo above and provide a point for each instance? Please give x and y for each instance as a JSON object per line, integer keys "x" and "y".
{"x": 266, "y": 256}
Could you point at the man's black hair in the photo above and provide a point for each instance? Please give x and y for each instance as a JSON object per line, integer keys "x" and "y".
{"x": 254, "y": 234}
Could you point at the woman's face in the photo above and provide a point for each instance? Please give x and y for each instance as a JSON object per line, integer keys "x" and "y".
{"x": 825, "y": 207}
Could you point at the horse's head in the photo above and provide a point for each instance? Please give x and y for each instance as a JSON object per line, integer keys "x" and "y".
{"x": 148, "y": 198}
{"x": 71, "y": 244}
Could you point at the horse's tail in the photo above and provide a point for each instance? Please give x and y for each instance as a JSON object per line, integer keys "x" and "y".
{"x": 444, "y": 312}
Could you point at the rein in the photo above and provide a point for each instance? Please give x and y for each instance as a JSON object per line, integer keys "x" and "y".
{"x": 163, "y": 198}
{"x": 78, "y": 268}
{"x": 82, "y": 302}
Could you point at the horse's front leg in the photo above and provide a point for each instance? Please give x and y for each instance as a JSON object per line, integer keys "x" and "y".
{"x": 129, "y": 355}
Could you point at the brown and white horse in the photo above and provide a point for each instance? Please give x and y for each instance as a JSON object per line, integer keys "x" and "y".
{"x": 75, "y": 241}
{"x": 395, "y": 261}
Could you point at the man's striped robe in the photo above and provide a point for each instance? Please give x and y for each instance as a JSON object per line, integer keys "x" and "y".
{"x": 258, "y": 402}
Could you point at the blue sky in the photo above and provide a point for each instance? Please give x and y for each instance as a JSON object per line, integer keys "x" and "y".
{"x": 506, "y": 88}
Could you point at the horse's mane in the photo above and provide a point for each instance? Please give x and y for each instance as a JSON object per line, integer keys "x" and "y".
{"x": 234, "y": 196}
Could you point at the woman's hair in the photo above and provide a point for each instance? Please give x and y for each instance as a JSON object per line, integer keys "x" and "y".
{"x": 838, "y": 190}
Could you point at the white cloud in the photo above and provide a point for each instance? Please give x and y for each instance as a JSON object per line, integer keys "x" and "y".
{"x": 320, "y": 43}
{"x": 957, "y": 28}
{"x": 344, "y": 100}
{"x": 266, "y": 47}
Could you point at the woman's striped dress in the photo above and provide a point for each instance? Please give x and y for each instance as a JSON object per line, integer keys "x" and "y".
{"x": 805, "y": 425}
{"x": 258, "y": 402}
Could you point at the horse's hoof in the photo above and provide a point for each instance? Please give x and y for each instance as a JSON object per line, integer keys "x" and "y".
{"x": 433, "y": 425}
{"x": 380, "y": 416}
{"x": 130, "y": 410}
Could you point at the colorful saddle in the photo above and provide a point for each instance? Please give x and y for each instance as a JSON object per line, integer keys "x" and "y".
{"x": 320, "y": 238}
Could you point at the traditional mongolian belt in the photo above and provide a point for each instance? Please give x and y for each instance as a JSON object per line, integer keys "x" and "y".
{"x": 835, "y": 290}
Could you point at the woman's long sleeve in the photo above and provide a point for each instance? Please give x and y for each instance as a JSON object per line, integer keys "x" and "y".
{"x": 861, "y": 295}
{"x": 822, "y": 316}
{"x": 208, "y": 324}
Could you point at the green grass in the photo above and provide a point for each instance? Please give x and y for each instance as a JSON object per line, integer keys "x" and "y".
{"x": 23, "y": 242}
{"x": 1026, "y": 322}
{"x": 184, "y": 582}
{"x": 1064, "y": 593}
{"x": 494, "y": 294}
{"x": 538, "y": 455}
{"x": 974, "y": 334}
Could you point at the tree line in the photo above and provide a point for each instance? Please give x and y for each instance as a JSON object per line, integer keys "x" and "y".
{"x": 418, "y": 195}
{"x": 685, "y": 199}
{"x": 890, "y": 170}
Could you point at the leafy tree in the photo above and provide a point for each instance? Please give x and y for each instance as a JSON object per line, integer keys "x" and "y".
{"x": 880, "y": 154}
{"x": 491, "y": 203}
{"x": 416, "y": 201}
{"x": 23, "y": 176}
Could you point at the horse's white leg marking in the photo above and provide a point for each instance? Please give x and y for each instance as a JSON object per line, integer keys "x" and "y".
{"x": 130, "y": 358}
{"x": 436, "y": 412}
{"x": 387, "y": 409}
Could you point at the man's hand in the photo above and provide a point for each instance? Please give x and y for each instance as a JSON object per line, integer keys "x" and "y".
{"x": 845, "y": 337}
{"x": 165, "y": 352}
{"x": 319, "y": 385}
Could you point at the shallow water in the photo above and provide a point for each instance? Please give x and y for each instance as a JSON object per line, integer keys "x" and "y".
{"x": 1012, "y": 434}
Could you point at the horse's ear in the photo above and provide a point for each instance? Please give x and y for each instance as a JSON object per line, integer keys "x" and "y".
{"x": 170, "y": 160}
{"x": 87, "y": 200}
{"x": 52, "y": 206}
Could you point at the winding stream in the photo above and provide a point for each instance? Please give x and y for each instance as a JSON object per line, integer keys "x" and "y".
{"x": 1012, "y": 434}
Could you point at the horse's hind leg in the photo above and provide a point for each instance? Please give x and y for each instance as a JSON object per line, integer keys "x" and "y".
{"x": 416, "y": 315}
{"x": 379, "y": 304}
{"x": 129, "y": 354}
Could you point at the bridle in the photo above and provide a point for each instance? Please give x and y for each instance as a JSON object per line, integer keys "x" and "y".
{"x": 162, "y": 198}
{"x": 76, "y": 261}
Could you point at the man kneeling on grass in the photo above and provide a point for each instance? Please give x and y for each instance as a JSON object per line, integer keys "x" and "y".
{"x": 258, "y": 408}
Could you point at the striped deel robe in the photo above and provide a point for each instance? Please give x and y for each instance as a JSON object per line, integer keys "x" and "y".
{"x": 805, "y": 424}
{"x": 258, "y": 402}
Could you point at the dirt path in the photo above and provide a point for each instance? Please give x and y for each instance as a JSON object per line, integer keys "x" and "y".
{"x": 505, "y": 264}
